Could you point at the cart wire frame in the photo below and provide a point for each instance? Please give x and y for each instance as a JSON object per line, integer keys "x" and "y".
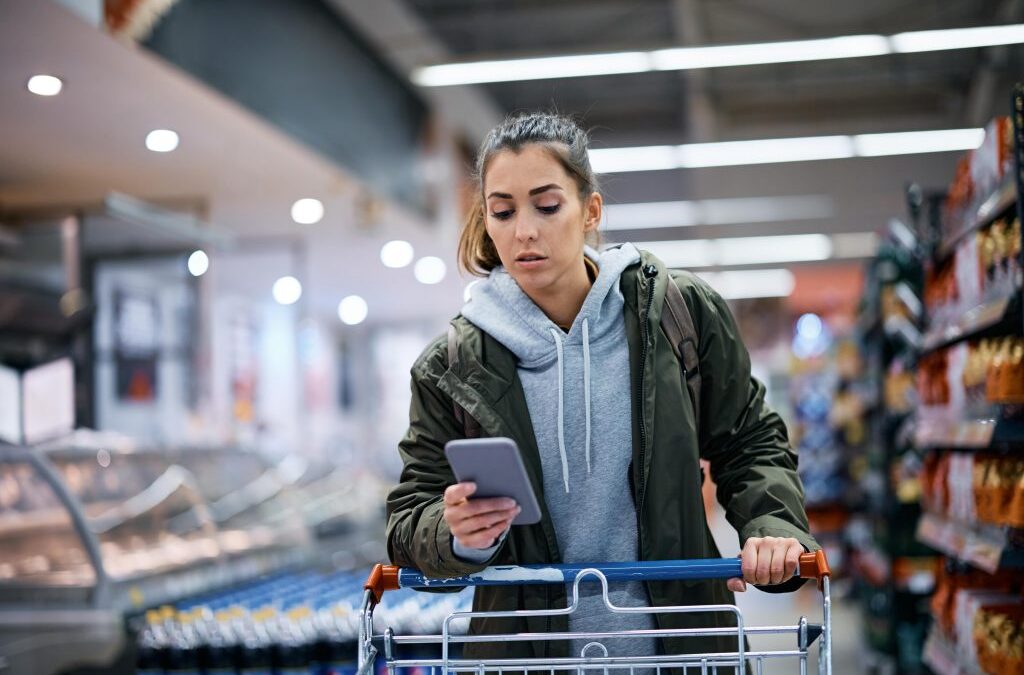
{"x": 595, "y": 656}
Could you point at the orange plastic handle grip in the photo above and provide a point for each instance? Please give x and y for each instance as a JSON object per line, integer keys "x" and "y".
{"x": 814, "y": 566}
{"x": 382, "y": 578}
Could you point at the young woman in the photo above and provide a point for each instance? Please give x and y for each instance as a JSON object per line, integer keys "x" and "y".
{"x": 560, "y": 349}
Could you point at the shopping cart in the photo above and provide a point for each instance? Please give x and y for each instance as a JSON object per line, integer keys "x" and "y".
{"x": 594, "y": 656}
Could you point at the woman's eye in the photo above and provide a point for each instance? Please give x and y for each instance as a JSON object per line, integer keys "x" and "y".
{"x": 549, "y": 209}
{"x": 502, "y": 215}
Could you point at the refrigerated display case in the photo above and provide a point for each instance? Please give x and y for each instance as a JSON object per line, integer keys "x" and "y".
{"x": 92, "y": 533}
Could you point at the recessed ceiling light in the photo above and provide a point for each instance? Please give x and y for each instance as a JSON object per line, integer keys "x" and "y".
{"x": 396, "y": 254}
{"x": 430, "y": 270}
{"x": 161, "y": 140}
{"x": 287, "y": 290}
{"x": 307, "y": 211}
{"x": 352, "y": 310}
{"x": 198, "y": 263}
{"x": 45, "y": 85}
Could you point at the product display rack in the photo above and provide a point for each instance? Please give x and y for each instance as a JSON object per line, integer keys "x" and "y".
{"x": 965, "y": 439}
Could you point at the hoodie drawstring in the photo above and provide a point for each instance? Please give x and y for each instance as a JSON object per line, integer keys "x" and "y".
{"x": 561, "y": 410}
{"x": 586, "y": 383}
{"x": 561, "y": 398}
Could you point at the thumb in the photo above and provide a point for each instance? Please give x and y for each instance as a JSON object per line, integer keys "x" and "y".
{"x": 736, "y": 585}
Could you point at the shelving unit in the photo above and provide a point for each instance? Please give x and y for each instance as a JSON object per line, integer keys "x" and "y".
{"x": 986, "y": 547}
{"x": 992, "y": 314}
{"x": 974, "y": 285}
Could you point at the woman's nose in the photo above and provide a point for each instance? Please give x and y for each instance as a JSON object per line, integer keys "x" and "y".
{"x": 526, "y": 229}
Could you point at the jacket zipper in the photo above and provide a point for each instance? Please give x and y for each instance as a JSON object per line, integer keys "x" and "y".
{"x": 650, "y": 272}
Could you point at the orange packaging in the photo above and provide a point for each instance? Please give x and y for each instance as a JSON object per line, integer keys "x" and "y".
{"x": 999, "y": 638}
{"x": 1015, "y": 508}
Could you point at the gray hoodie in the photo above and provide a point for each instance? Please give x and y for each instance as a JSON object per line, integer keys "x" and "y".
{"x": 574, "y": 384}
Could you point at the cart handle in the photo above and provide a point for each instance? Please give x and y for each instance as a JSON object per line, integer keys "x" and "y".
{"x": 391, "y": 577}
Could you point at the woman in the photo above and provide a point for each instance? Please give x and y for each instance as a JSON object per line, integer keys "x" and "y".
{"x": 560, "y": 349}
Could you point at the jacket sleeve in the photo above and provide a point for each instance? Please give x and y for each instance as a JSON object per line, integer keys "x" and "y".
{"x": 744, "y": 441}
{"x": 417, "y": 534}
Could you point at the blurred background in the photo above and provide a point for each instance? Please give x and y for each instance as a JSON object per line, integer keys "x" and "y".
{"x": 228, "y": 228}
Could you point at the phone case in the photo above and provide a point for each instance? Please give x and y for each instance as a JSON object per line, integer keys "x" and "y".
{"x": 497, "y": 468}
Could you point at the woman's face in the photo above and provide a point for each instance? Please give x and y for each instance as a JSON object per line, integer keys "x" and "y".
{"x": 535, "y": 218}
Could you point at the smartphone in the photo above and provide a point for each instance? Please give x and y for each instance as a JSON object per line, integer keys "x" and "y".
{"x": 496, "y": 467}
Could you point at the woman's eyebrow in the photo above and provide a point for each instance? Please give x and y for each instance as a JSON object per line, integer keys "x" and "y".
{"x": 534, "y": 191}
{"x": 545, "y": 188}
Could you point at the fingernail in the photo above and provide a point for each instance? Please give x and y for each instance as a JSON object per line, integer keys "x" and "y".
{"x": 519, "y": 509}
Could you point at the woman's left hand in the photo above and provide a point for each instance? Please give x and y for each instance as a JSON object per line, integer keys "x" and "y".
{"x": 767, "y": 560}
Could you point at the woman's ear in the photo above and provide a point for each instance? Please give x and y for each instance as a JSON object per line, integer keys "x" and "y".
{"x": 592, "y": 212}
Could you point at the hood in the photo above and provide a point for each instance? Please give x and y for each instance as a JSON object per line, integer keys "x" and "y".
{"x": 501, "y": 309}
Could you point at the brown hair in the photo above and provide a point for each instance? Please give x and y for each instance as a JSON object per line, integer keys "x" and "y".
{"x": 561, "y": 137}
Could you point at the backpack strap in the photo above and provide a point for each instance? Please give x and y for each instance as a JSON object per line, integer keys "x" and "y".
{"x": 678, "y": 326}
{"x": 470, "y": 427}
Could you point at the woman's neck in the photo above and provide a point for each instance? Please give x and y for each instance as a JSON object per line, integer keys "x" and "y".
{"x": 566, "y": 298}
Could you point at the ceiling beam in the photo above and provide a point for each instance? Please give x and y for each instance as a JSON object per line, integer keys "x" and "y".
{"x": 688, "y": 25}
{"x": 980, "y": 99}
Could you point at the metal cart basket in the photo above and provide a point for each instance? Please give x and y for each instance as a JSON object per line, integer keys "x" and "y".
{"x": 594, "y": 656}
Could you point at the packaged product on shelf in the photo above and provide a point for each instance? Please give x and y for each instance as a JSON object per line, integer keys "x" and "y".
{"x": 993, "y": 158}
{"x": 961, "y": 487}
{"x": 978, "y": 174}
{"x": 967, "y": 274}
{"x": 1005, "y": 371}
{"x": 899, "y": 389}
{"x": 968, "y": 604}
{"x": 950, "y": 582}
{"x": 934, "y": 490}
{"x": 999, "y": 638}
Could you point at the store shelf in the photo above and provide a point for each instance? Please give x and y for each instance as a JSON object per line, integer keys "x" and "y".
{"x": 984, "y": 546}
{"x": 971, "y": 322}
{"x": 939, "y": 429}
{"x": 1001, "y": 199}
{"x": 941, "y": 657}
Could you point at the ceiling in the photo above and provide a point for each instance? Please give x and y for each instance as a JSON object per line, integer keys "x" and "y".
{"x": 235, "y": 171}
{"x": 240, "y": 174}
{"x": 927, "y": 90}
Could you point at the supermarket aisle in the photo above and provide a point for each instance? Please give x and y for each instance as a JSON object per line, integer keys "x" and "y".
{"x": 765, "y": 609}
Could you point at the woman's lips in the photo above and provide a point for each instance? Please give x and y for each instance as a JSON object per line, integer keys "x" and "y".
{"x": 530, "y": 262}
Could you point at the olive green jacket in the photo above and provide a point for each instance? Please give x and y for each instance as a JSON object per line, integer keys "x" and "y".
{"x": 744, "y": 441}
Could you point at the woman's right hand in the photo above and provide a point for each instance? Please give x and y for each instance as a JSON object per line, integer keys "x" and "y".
{"x": 477, "y": 523}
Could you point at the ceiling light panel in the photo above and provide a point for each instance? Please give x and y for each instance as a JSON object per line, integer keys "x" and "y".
{"x": 514, "y": 70}
{"x": 957, "y": 38}
{"x": 740, "y": 251}
{"x": 720, "y": 56}
{"x": 744, "y": 284}
{"x": 768, "y": 151}
{"x": 779, "y": 150}
{"x": 649, "y": 215}
{"x": 717, "y": 56}
{"x": 915, "y": 142}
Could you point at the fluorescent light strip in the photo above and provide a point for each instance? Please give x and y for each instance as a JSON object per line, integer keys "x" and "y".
{"x": 722, "y": 56}
{"x": 697, "y": 253}
{"x": 743, "y": 284}
{"x": 716, "y": 56}
{"x": 649, "y": 215}
{"x": 956, "y": 38}
{"x": 778, "y": 150}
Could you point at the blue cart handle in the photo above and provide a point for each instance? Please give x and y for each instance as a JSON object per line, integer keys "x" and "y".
{"x": 389, "y": 577}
